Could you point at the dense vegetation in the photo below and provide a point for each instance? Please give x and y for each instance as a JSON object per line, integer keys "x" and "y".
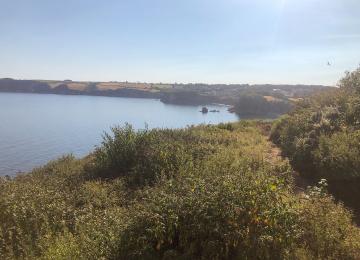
{"x": 321, "y": 137}
{"x": 257, "y": 105}
{"x": 206, "y": 192}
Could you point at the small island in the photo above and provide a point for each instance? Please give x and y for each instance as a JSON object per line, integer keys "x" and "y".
{"x": 204, "y": 110}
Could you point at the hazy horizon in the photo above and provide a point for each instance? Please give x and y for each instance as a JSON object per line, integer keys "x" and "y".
{"x": 165, "y": 83}
{"x": 226, "y": 42}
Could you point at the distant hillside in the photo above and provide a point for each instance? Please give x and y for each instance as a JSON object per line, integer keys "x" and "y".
{"x": 252, "y": 100}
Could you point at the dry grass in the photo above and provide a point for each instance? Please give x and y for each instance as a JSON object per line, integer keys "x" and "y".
{"x": 271, "y": 98}
{"x": 120, "y": 85}
{"x": 77, "y": 86}
{"x": 295, "y": 99}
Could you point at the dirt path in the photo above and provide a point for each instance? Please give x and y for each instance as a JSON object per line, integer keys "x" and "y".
{"x": 300, "y": 183}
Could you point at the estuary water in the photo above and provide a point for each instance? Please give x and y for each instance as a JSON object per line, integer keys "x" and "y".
{"x": 36, "y": 128}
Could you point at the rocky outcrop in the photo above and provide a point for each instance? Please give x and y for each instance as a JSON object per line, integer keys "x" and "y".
{"x": 204, "y": 110}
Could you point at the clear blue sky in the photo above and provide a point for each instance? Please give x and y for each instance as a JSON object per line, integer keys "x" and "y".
{"x": 222, "y": 41}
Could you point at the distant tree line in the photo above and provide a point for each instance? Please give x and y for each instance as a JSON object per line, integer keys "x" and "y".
{"x": 256, "y": 105}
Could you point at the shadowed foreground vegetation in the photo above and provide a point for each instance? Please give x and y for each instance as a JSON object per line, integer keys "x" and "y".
{"x": 321, "y": 137}
{"x": 206, "y": 192}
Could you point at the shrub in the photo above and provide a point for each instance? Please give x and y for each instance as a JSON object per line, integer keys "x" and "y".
{"x": 321, "y": 139}
{"x": 96, "y": 237}
{"x": 338, "y": 156}
{"x": 36, "y": 205}
{"x": 141, "y": 156}
{"x": 231, "y": 213}
{"x": 320, "y": 136}
{"x": 225, "y": 197}
{"x": 327, "y": 228}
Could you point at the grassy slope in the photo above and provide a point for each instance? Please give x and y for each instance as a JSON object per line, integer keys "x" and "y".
{"x": 202, "y": 192}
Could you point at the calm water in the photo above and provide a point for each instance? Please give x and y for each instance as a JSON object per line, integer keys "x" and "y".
{"x": 36, "y": 128}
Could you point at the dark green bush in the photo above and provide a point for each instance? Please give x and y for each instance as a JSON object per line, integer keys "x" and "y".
{"x": 338, "y": 156}
{"x": 141, "y": 156}
{"x": 319, "y": 138}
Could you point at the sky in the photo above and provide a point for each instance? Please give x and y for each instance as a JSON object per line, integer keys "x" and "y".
{"x": 208, "y": 41}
